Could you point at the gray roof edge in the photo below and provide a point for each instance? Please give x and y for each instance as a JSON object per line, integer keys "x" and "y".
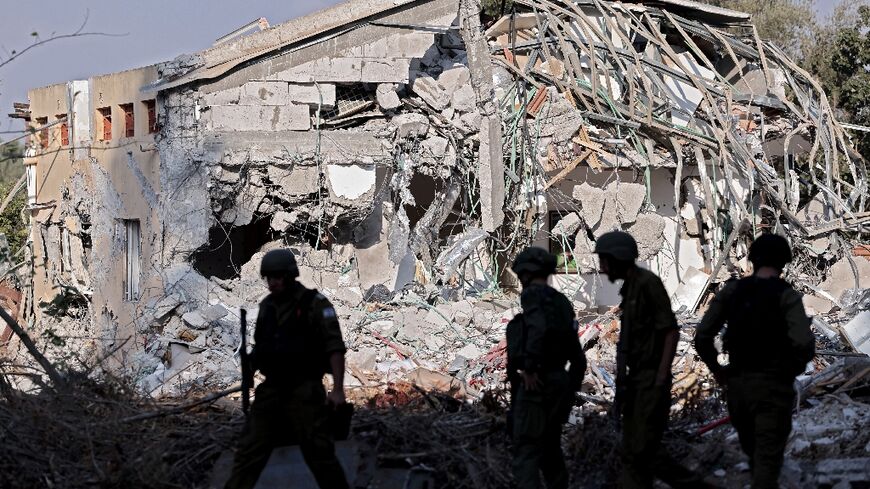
{"x": 294, "y": 30}
{"x": 733, "y": 15}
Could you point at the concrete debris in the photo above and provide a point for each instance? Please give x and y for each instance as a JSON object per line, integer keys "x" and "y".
{"x": 387, "y": 97}
{"x": 407, "y": 154}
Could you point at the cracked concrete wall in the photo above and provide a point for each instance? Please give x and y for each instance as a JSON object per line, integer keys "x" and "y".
{"x": 78, "y": 233}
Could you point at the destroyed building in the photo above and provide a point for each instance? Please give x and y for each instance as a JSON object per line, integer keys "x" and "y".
{"x": 407, "y": 152}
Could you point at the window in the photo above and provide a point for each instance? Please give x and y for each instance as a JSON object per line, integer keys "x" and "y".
{"x": 105, "y": 120}
{"x": 129, "y": 120}
{"x": 63, "y": 129}
{"x": 151, "y": 108}
{"x": 41, "y": 122}
{"x": 131, "y": 259}
{"x": 563, "y": 248}
{"x": 31, "y": 183}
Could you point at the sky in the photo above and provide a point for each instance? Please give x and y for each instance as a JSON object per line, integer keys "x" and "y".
{"x": 153, "y": 31}
{"x": 150, "y": 32}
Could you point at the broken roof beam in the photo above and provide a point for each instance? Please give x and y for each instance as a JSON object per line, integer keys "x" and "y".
{"x": 490, "y": 158}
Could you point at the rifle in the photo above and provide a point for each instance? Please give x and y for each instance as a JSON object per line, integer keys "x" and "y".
{"x": 247, "y": 374}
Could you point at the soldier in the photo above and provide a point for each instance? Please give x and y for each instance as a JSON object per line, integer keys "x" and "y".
{"x": 541, "y": 340}
{"x": 297, "y": 340}
{"x": 647, "y": 345}
{"x": 769, "y": 342}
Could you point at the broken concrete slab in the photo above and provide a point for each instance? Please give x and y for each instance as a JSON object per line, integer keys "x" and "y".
{"x": 351, "y": 181}
{"x": 647, "y": 230}
{"x": 387, "y": 97}
{"x": 428, "y": 89}
{"x": 348, "y": 70}
{"x": 259, "y": 118}
{"x": 264, "y": 93}
{"x": 281, "y": 220}
{"x": 313, "y": 94}
{"x": 629, "y": 198}
{"x": 229, "y": 96}
{"x": 567, "y": 226}
{"x": 591, "y": 202}
{"x": 294, "y": 181}
{"x": 454, "y": 78}
{"x": 858, "y": 332}
{"x": 463, "y": 99}
{"x": 411, "y": 125}
{"x": 689, "y": 291}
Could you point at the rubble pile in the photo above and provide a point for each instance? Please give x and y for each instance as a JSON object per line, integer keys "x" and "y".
{"x": 406, "y": 151}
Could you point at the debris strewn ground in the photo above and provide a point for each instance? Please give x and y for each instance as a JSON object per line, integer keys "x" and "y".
{"x": 406, "y": 167}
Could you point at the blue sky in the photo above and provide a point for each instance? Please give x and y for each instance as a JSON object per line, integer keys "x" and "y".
{"x": 157, "y": 30}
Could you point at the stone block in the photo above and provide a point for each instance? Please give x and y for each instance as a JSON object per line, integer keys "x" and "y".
{"x": 463, "y": 99}
{"x": 264, "y": 93}
{"x": 260, "y": 118}
{"x": 345, "y": 70}
{"x": 428, "y": 89}
{"x": 411, "y": 125}
{"x": 222, "y": 97}
{"x": 385, "y": 70}
{"x": 387, "y": 97}
{"x": 411, "y": 45}
{"x": 296, "y": 180}
{"x": 454, "y": 78}
{"x": 312, "y": 94}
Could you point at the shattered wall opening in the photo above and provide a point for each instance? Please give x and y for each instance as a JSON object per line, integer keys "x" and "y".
{"x": 230, "y": 247}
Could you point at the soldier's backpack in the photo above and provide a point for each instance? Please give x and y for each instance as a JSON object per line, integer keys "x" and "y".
{"x": 756, "y": 336}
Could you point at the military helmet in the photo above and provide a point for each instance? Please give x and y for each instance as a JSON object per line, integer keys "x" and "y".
{"x": 279, "y": 262}
{"x": 618, "y": 244}
{"x": 770, "y": 250}
{"x": 534, "y": 260}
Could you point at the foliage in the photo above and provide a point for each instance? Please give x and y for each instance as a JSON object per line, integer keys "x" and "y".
{"x": 12, "y": 223}
{"x": 840, "y": 59}
{"x": 788, "y": 23}
{"x": 494, "y": 8}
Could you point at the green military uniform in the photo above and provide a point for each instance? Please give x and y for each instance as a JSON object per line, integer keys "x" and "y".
{"x": 646, "y": 318}
{"x": 296, "y": 333}
{"x": 541, "y": 340}
{"x": 769, "y": 342}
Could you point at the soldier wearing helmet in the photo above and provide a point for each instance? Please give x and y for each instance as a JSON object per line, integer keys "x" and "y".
{"x": 297, "y": 340}
{"x": 541, "y": 341}
{"x": 769, "y": 342}
{"x": 647, "y": 344}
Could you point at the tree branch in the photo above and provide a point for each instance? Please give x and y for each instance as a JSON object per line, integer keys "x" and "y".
{"x": 78, "y": 33}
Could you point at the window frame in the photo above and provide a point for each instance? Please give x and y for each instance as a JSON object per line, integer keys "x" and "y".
{"x": 105, "y": 114}
{"x": 129, "y": 120}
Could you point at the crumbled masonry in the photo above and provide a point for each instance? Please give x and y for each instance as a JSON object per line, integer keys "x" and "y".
{"x": 407, "y": 150}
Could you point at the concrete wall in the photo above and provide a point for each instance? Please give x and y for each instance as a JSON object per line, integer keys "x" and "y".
{"x": 84, "y": 192}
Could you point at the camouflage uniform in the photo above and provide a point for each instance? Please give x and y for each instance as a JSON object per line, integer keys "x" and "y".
{"x": 769, "y": 342}
{"x": 646, "y": 318}
{"x": 296, "y": 333}
{"x": 542, "y": 340}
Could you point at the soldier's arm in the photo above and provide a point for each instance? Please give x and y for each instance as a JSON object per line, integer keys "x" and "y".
{"x": 665, "y": 324}
{"x": 710, "y": 326}
{"x": 799, "y": 333}
{"x": 333, "y": 344}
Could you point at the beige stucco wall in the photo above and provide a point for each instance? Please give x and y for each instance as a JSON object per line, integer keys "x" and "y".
{"x": 114, "y": 180}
